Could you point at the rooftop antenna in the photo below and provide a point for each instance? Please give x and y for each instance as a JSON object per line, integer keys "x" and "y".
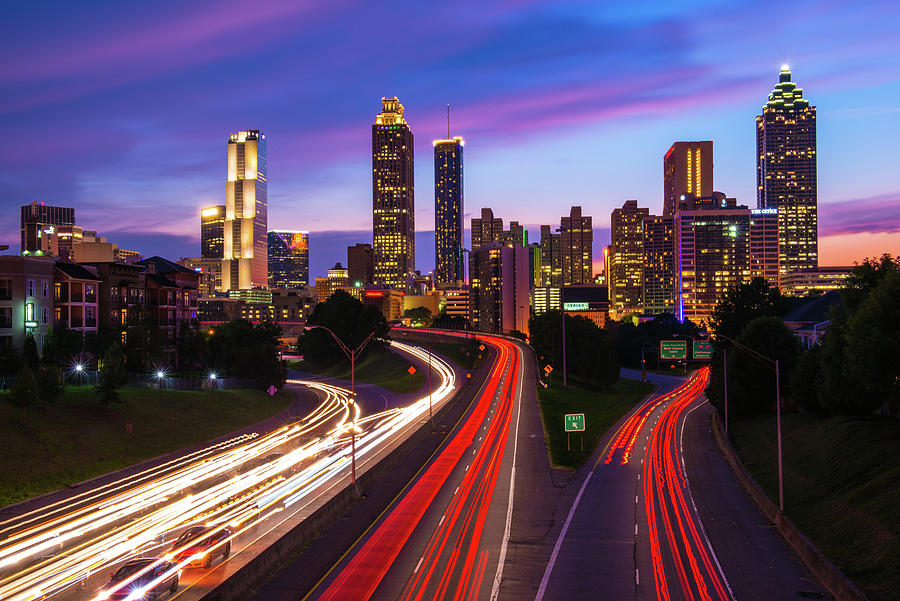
{"x": 448, "y": 121}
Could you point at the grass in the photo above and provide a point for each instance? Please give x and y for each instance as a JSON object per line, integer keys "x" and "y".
{"x": 77, "y": 438}
{"x": 464, "y": 354}
{"x": 601, "y": 410}
{"x": 841, "y": 488}
{"x": 380, "y": 367}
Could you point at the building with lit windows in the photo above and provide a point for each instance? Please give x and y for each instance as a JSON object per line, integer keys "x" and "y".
{"x": 59, "y": 240}
{"x": 387, "y": 300}
{"x": 577, "y": 239}
{"x": 659, "y": 264}
{"x": 712, "y": 253}
{"x": 687, "y": 169}
{"x": 448, "y": 211}
{"x": 822, "y": 280}
{"x": 455, "y": 302}
{"x": 288, "y": 256}
{"x": 544, "y": 298}
{"x": 75, "y": 297}
{"x": 499, "y": 299}
{"x": 393, "y": 197}
{"x": 338, "y": 278}
{"x": 212, "y": 232}
{"x": 786, "y": 172}
{"x": 551, "y": 258}
{"x": 589, "y": 301}
{"x": 25, "y": 300}
{"x": 34, "y": 218}
{"x": 626, "y": 259}
{"x": 764, "y": 245}
{"x": 209, "y": 272}
{"x": 360, "y": 264}
{"x": 245, "y": 245}
{"x": 486, "y": 229}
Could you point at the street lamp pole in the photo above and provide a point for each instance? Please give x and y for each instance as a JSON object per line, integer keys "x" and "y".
{"x": 725, "y": 372}
{"x": 563, "y": 313}
{"x": 352, "y": 354}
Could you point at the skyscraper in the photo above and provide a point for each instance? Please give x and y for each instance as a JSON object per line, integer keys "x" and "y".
{"x": 486, "y": 229}
{"x": 360, "y": 264}
{"x": 687, "y": 169}
{"x": 577, "y": 239}
{"x": 33, "y": 218}
{"x": 764, "y": 260}
{"x": 659, "y": 264}
{"x": 212, "y": 232}
{"x": 626, "y": 261}
{"x": 786, "y": 172}
{"x": 393, "y": 197}
{"x": 448, "y": 211}
{"x": 499, "y": 293}
{"x": 551, "y": 257}
{"x": 288, "y": 255}
{"x": 245, "y": 245}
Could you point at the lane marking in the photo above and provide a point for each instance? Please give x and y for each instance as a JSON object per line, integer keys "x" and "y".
{"x": 637, "y": 577}
{"x": 419, "y": 565}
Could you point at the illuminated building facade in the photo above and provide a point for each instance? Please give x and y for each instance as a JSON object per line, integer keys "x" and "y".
{"x": 246, "y": 208}
{"x": 551, "y": 258}
{"x": 360, "y": 265}
{"x": 687, "y": 169}
{"x": 589, "y": 301}
{"x": 288, "y": 255}
{"x": 60, "y": 240}
{"x": 764, "y": 245}
{"x": 544, "y": 298}
{"x": 455, "y": 301}
{"x": 516, "y": 234}
{"x": 33, "y": 219}
{"x": 338, "y": 278}
{"x": 448, "y": 211}
{"x": 712, "y": 253}
{"x": 210, "y": 274}
{"x": 659, "y": 264}
{"x": 577, "y": 239}
{"x": 212, "y": 232}
{"x": 486, "y": 229}
{"x": 824, "y": 279}
{"x": 626, "y": 259}
{"x": 393, "y": 197}
{"x": 499, "y": 297}
{"x": 786, "y": 172}
{"x": 26, "y": 303}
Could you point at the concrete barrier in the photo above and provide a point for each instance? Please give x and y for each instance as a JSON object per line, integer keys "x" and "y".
{"x": 828, "y": 575}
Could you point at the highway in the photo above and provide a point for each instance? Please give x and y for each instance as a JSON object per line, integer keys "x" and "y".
{"x": 446, "y": 536}
{"x": 252, "y": 484}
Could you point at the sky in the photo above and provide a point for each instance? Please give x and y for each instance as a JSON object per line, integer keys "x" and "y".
{"x": 123, "y": 110}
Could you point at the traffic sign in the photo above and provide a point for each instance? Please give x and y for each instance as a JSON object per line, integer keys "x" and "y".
{"x": 271, "y": 390}
{"x": 703, "y": 349}
{"x": 574, "y": 422}
{"x": 548, "y": 368}
{"x": 411, "y": 370}
{"x": 673, "y": 349}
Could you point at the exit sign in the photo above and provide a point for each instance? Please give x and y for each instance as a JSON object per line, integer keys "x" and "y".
{"x": 575, "y": 422}
{"x": 673, "y": 349}
{"x": 703, "y": 349}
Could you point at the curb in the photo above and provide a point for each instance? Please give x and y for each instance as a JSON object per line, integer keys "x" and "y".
{"x": 828, "y": 575}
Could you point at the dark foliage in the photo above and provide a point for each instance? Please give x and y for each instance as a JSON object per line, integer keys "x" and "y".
{"x": 241, "y": 349}
{"x": 629, "y": 339}
{"x": 349, "y": 319}
{"x": 589, "y": 351}
{"x": 113, "y": 375}
{"x": 742, "y": 304}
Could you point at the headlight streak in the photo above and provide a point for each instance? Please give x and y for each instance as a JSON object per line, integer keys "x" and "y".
{"x": 132, "y": 516}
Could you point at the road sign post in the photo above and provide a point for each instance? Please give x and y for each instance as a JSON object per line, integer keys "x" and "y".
{"x": 574, "y": 422}
{"x": 673, "y": 349}
{"x": 703, "y": 349}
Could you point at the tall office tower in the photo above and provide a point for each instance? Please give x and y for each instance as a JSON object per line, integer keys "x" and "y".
{"x": 499, "y": 294}
{"x": 551, "y": 257}
{"x": 687, "y": 169}
{"x": 448, "y": 211}
{"x": 487, "y": 229}
{"x": 577, "y": 239}
{"x": 288, "y": 259}
{"x": 764, "y": 246}
{"x": 212, "y": 232}
{"x": 626, "y": 261}
{"x": 659, "y": 264}
{"x": 712, "y": 253}
{"x": 245, "y": 245}
{"x": 360, "y": 265}
{"x": 786, "y": 172}
{"x": 34, "y": 217}
{"x": 393, "y": 197}
{"x": 516, "y": 234}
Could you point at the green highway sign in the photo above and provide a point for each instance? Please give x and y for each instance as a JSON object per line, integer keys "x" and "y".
{"x": 673, "y": 349}
{"x": 575, "y": 422}
{"x": 703, "y": 349}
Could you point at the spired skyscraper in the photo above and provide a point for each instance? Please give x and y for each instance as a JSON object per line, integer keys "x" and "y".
{"x": 245, "y": 263}
{"x": 786, "y": 172}
{"x": 448, "y": 211}
{"x": 393, "y": 197}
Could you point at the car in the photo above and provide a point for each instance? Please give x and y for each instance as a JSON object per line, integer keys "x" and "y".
{"x": 201, "y": 540}
{"x": 115, "y": 590}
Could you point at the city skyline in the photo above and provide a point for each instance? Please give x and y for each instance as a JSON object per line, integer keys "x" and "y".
{"x": 526, "y": 119}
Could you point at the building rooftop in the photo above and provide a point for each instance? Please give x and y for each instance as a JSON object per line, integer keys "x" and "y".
{"x": 76, "y": 271}
{"x": 816, "y": 310}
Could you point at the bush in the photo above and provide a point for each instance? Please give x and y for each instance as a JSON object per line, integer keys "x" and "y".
{"x": 751, "y": 381}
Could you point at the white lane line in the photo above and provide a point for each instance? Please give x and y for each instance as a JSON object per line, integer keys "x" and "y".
{"x": 442, "y": 519}
{"x": 635, "y": 528}
{"x": 637, "y": 577}
{"x": 495, "y": 590}
{"x": 635, "y": 499}
{"x": 419, "y": 565}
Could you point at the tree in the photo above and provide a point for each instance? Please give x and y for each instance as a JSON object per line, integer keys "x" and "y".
{"x": 751, "y": 381}
{"x": 742, "y": 304}
{"x": 113, "y": 375}
{"x": 244, "y": 350}
{"x": 50, "y": 384}
{"x": 449, "y": 322}
{"x": 420, "y": 317}
{"x": 803, "y": 378}
{"x": 24, "y": 392}
{"x": 30, "y": 353}
{"x": 349, "y": 319}
{"x": 62, "y": 346}
{"x": 589, "y": 352}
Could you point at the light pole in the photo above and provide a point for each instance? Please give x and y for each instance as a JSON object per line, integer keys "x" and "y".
{"x": 563, "y": 313}
{"x": 352, "y": 354}
{"x": 772, "y": 363}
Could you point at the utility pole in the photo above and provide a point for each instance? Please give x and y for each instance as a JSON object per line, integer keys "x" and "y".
{"x": 725, "y": 372}
{"x": 563, "y": 313}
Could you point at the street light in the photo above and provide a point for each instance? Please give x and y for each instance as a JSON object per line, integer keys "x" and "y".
{"x": 772, "y": 363}
{"x": 352, "y": 354}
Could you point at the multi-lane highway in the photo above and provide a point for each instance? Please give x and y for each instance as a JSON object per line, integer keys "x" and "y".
{"x": 242, "y": 488}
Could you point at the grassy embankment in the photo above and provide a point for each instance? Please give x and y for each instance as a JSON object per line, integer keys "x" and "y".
{"x": 841, "y": 488}
{"x": 77, "y": 438}
{"x": 380, "y": 366}
{"x": 601, "y": 408}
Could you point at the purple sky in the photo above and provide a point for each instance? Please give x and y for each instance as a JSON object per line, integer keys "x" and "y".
{"x": 123, "y": 110}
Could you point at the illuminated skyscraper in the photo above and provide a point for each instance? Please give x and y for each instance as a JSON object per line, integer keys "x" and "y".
{"x": 212, "y": 232}
{"x": 626, "y": 261}
{"x": 37, "y": 215}
{"x": 448, "y": 211}
{"x": 551, "y": 257}
{"x": 288, "y": 254}
{"x": 764, "y": 259}
{"x": 393, "y": 197}
{"x": 659, "y": 264}
{"x": 486, "y": 229}
{"x": 577, "y": 239}
{"x": 245, "y": 262}
{"x": 360, "y": 264}
{"x": 786, "y": 172}
{"x": 687, "y": 169}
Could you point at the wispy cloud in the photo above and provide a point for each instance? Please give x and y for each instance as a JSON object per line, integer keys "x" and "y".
{"x": 875, "y": 214}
